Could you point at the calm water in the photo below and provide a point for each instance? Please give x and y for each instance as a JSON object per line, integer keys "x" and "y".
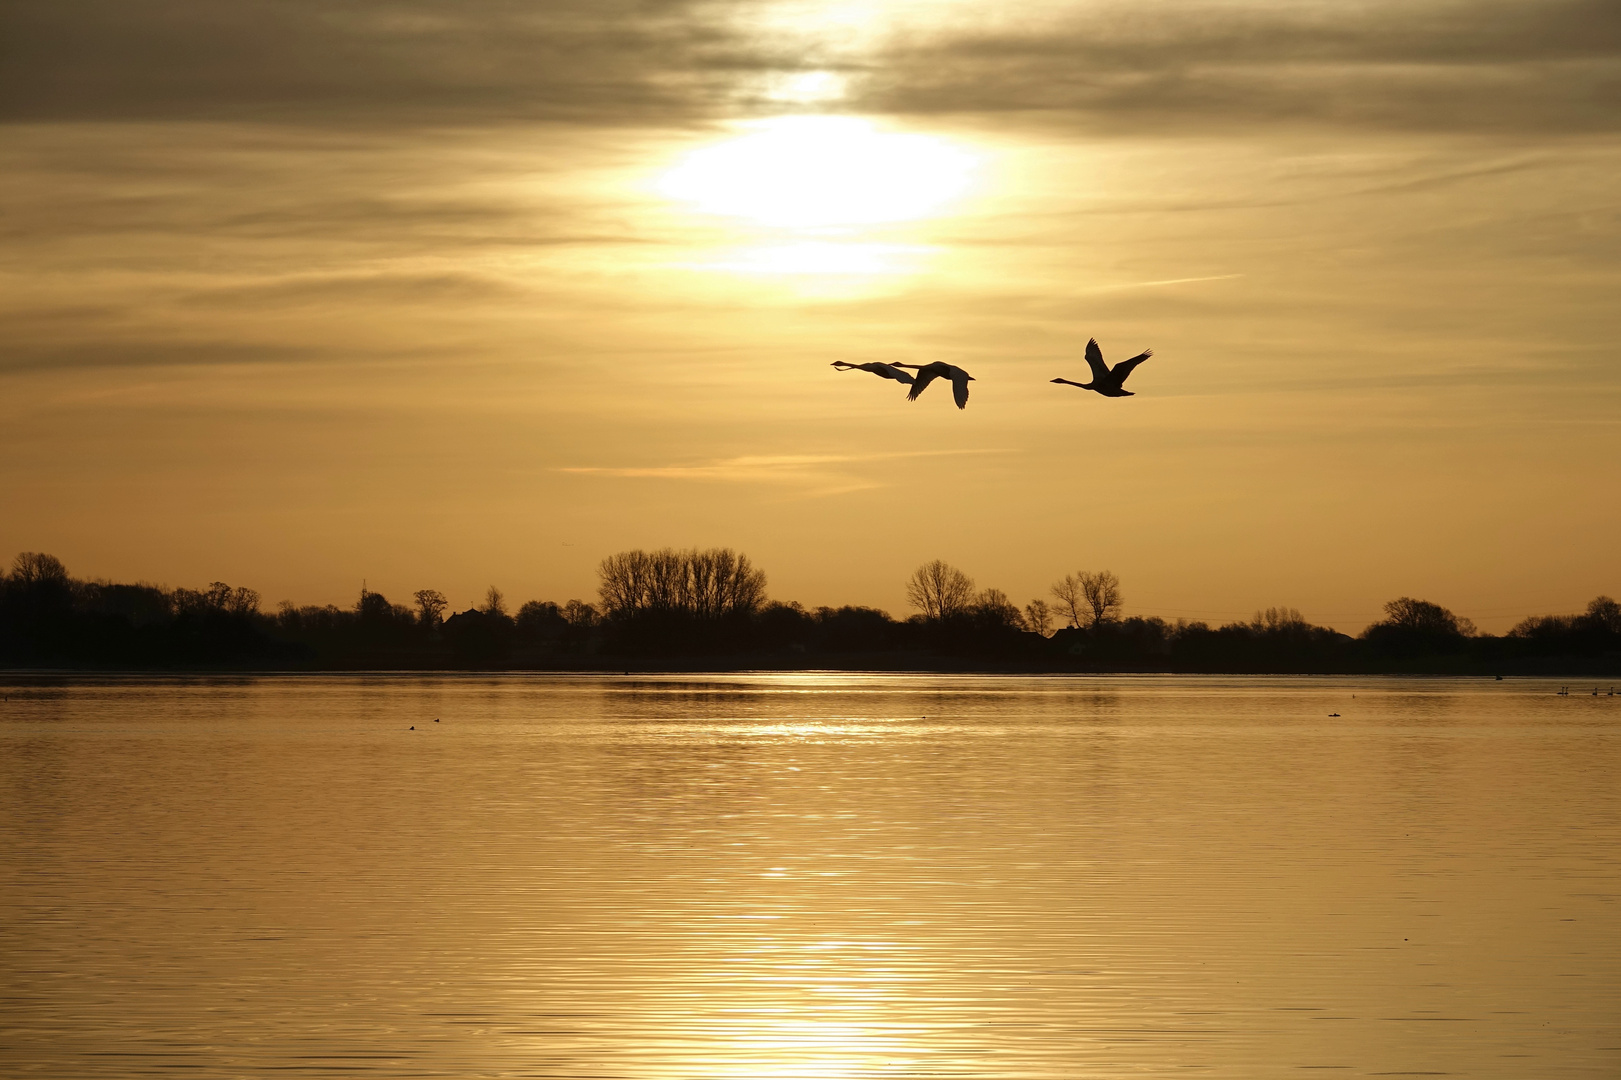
{"x": 809, "y": 876}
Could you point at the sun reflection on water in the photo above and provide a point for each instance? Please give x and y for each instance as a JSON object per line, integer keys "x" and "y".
{"x": 819, "y": 1009}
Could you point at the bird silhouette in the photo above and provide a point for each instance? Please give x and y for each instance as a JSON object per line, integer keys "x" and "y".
{"x": 927, "y": 373}
{"x": 887, "y": 371}
{"x": 1106, "y": 380}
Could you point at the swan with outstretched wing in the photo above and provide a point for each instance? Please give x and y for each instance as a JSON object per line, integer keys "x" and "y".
{"x": 1106, "y": 380}
{"x": 927, "y": 373}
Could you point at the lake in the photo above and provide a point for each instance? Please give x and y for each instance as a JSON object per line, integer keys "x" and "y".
{"x": 809, "y": 875}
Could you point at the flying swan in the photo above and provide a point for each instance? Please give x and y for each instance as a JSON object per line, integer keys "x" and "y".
{"x": 1106, "y": 380}
{"x": 927, "y": 373}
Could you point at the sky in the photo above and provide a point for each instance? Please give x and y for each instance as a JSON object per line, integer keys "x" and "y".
{"x": 297, "y": 296}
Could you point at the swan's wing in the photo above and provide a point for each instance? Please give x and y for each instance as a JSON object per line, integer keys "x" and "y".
{"x": 924, "y": 378}
{"x": 1094, "y": 360}
{"x": 890, "y": 371}
{"x": 959, "y": 387}
{"x": 1124, "y": 368}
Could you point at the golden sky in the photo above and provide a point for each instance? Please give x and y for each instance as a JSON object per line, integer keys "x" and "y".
{"x": 446, "y": 295}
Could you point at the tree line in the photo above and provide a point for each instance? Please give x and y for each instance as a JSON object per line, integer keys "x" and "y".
{"x": 710, "y": 607}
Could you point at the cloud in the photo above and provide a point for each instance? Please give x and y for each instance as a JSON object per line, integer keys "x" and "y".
{"x": 1446, "y": 65}
{"x": 1167, "y": 281}
{"x": 815, "y": 472}
{"x": 749, "y": 467}
{"x": 1417, "y": 64}
{"x": 822, "y": 472}
{"x": 307, "y": 59}
{"x": 21, "y": 357}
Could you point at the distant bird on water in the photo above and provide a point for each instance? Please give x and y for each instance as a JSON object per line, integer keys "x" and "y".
{"x": 1107, "y": 380}
{"x": 927, "y": 373}
{"x": 887, "y": 371}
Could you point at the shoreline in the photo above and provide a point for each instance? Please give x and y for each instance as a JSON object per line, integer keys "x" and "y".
{"x": 622, "y": 671}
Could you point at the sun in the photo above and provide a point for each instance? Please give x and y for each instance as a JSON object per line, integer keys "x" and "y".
{"x": 822, "y": 172}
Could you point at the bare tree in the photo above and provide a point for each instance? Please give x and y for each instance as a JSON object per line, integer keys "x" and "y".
{"x": 940, "y": 590}
{"x": 1604, "y": 615}
{"x": 721, "y": 582}
{"x": 495, "y": 603}
{"x": 1038, "y": 618}
{"x": 1086, "y": 599}
{"x": 34, "y": 568}
{"x": 666, "y": 584}
{"x": 240, "y": 601}
{"x": 704, "y": 582}
{"x": 430, "y": 607}
{"x": 742, "y": 585}
{"x": 1102, "y": 592}
{"x": 1278, "y": 620}
{"x": 1071, "y": 601}
{"x": 993, "y": 606}
{"x": 1407, "y": 613}
{"x": 708, "y": 584}
{"x": 579, "y": 615}
{"x": 622, "y": 580}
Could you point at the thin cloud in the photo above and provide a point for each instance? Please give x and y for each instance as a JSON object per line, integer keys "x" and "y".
{"x": 828, "y": 474}
{"x": 776, "y": 468}
{"x": 1167, "y": 281}
{"x": 1418, "y": 64}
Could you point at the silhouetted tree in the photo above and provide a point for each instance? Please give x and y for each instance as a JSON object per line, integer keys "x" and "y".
{"x": 139, "y": 606}
{"x": 431, "y": 606}
{"x": 1072, "y": 605}
{"x": 705, "y": 585}
{"x": 621, "y": 582}
{"x": 666, "y": 580}
{"x": 779, "y": 626}
{"x": 540, "y": 618}
{"x": 1038, "y": 618}
{"x": 857, "y": 629}
{"x": 218, "y": 597}
{"x": 713, "y": 602}
{"x": 38, "y": 601}
{"x": 582, "y": 620}
{"x": 940, "y": 591}
{"x": 1421, "y": 616}
{"x": 1544, "y": 626}
{"x": 1102, "y": 592}
{"x": 373, "y": 607}
{"x": 1276, "y": 620}
{"x": 33, "y": 568}
{"x": 1415, "y": 629}
{"x": 1603, "y": 615}
{"x": 993, "y": 608}
{"x": 1086, "y": 598}
{"x": 580, "y": 615}
{"x": 1556, "y": 641}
